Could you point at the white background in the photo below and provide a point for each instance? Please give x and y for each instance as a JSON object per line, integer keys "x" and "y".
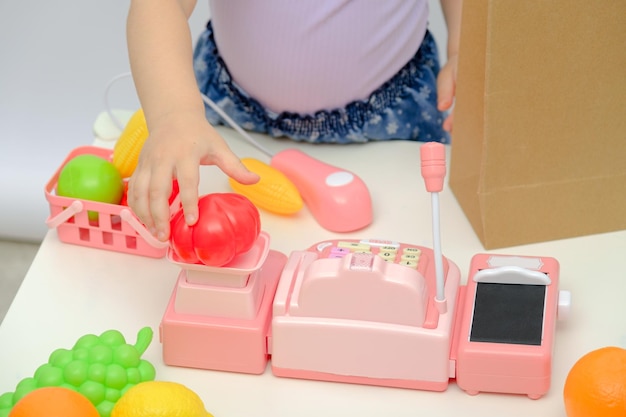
{"x": 56, "y": 59}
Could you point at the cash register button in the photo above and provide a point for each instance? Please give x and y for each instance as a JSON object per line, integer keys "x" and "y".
{"x": 362, "y": 261}
{"x": 410, "y": 264}
{"x": 412, "y": 251}
{"x": 353, "y": 246}
{"x": 387, "y": 256}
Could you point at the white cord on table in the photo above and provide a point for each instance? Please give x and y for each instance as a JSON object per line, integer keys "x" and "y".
{"x": 107, "y": 106}
{"x": 206, "y": 100}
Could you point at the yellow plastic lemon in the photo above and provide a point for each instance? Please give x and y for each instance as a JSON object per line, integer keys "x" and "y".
{"x": 159, "y": 398}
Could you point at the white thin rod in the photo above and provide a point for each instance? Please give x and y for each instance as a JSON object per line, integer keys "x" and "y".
{"x": 437, "y": 248}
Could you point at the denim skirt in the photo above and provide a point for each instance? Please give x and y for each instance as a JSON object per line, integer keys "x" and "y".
{"x": 404, "y": 108}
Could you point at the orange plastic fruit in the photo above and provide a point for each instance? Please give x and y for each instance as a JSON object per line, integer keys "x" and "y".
{"x": 54, "y": 401}
{"x": 596, "y": 385}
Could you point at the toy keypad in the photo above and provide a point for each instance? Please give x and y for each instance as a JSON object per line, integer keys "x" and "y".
{"x": 390, "y": 251}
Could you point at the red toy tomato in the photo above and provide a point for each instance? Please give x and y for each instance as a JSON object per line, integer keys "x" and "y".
{"x": 228, "y": 225}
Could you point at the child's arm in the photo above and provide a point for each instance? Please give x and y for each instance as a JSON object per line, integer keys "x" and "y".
{"x": 160, "y": 52}
{"x": 446, "y": 82}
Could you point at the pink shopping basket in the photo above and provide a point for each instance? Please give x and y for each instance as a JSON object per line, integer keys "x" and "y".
{"x": 116, "y": 229}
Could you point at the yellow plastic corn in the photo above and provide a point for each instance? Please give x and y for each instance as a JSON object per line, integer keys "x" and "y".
{"x": 274, "y": 192}
{"x": 128, "y": 146}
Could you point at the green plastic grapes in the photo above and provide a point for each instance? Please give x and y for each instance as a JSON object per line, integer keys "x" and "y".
{"x": 102, "y": 368}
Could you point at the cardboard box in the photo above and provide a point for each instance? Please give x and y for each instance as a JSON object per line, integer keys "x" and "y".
{"x": 539, "y": 139}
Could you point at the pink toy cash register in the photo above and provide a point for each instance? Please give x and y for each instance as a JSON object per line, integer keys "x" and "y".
{"x": 372, "y": 311}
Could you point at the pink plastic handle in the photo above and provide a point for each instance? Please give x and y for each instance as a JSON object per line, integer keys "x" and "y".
{"x": 130, "y": 218}
{"x": 74, "y": 208}
{"x": 433, "y": 157}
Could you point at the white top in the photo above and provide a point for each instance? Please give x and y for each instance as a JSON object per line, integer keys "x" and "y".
{"x": 307, "y": 55}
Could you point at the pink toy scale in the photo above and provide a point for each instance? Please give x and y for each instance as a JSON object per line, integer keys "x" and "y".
{"x": 211, "y": 326}
{"x": 371, "y": 311}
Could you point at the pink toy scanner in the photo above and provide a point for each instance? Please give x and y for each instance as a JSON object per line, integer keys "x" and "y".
{"x": 371, "y": 311}
{"x": 339, "y": 200}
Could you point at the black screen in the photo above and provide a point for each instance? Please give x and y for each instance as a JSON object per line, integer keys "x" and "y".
{"x": 508, "y": 313}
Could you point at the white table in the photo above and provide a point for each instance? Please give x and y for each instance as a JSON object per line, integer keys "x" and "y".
{"x": 72, "y": 290}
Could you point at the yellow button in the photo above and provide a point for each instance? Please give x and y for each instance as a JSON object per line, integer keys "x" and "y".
{"x": 388, "y": 256}
{"x": 409, "y": 257}
{"x": 389, "y": 248}
{"x": 353, "y": 246}
{"x": 410, "y": 264}
{"x": 412, "y": 251}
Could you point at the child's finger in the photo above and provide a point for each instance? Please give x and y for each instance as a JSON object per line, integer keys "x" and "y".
{"x": 447, "y": 124}
{"x": 160, "y": 191}
{"x": 188, "y": 181}
{"x": 235, "y": 169}
{"x": 138, "y": 200}
{"x": 445, "y": 88}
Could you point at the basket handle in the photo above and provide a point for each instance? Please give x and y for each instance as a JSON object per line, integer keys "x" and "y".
{"x": 74, "y": 208}
{"x": 130, "y": 218}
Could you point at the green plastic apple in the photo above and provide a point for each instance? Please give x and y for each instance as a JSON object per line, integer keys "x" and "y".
{"x": 90, "y": 177}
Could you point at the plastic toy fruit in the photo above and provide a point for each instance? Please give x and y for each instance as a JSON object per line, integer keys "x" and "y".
{"x": 101, "y": 368}
{"x": 162, "y": 399}
{"x": 274, "y": 192}
{"x": 90, "y": 177}
{"x": 54, "y": 401}
{"x": 228, "y": 225}
{"x": 128, "y": 147}
{"x": 596, "y": 384}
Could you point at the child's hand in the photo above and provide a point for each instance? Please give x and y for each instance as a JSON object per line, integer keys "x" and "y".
{"x": 446, "y": 89}
{"x": 178, "y": 144}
